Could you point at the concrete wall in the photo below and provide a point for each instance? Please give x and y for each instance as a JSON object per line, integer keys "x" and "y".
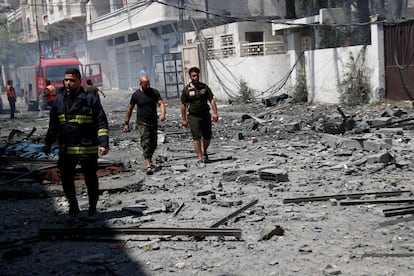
{"x": 259, "y": 72}
{"x": 326, "y": 67}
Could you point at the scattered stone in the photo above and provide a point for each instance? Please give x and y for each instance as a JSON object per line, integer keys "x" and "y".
{"x": 269, "y": 231}
{"x": 331, "y": 270}
{"x": 278, "y": 175}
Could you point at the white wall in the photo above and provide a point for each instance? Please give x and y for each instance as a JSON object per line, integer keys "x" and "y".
{"x": 259, "y": 72}
{"x": 326, "y": 67}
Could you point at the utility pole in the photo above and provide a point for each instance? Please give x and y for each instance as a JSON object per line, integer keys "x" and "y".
{"x": 181, "y": 20}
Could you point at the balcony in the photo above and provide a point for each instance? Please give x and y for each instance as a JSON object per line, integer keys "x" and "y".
{"x": 66, "y": 11}
{"x": 136, "y": 16}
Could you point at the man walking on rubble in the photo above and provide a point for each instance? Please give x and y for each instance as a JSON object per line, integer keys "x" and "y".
{"x": 79, "y": 122}
{"x": 146, "y": 99}
{"x": 195, "y": 98}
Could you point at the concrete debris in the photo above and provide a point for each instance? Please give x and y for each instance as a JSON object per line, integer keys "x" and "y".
{"x": 277, "y": 175}
{"x": 330, "y": 270}
{"x": 269, "y": 231}
{"x": 297, "y": 166}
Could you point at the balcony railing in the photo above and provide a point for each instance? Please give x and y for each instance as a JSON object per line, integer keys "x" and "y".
{"x": 262, "y": 48}
{"x": 223, "y": 52}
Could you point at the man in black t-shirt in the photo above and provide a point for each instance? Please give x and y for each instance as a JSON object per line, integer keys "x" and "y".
{"x": 146, "y": 99}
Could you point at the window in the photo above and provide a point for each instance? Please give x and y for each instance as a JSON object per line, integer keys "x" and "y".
{"x": 119, "y": 40}
{"x": 133, "y": 37}
{"x": 110, "y": 42}
{"x": 254, "y": 36}
{"x": 167, "y": 29}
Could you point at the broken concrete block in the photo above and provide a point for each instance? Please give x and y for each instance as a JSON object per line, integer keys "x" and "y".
{"x": 331, "y": 270}
{"x": 370, "y": 145}
{"x": 269, "y": 231}
{"x": 231, "y": 175}
{"x": 382, "y": 157}
{"x": 350, "y": 144}
{"x": 205, "y": 191}
{"x": 380, "y": 121}
{"x": 331, "y": 140}
{"x": 278, "y": 175}
{"x": 247, "y": 178}
{"x": 391, "y": 131}
{"x": 292, "y": 127}
{"x": 179, "y": 168}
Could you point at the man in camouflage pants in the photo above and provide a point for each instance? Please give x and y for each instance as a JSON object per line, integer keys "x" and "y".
{"x": 146, "y": 99}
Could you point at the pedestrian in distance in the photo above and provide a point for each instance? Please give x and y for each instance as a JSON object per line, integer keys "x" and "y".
{"x": 195, "y": 113}
{"x": 79, "y": 123}
{"x": 49, "y": 93}
{"x": 146, "y": 99}
{"x": 11, "y": 97}
{"x": 93, "y": 89}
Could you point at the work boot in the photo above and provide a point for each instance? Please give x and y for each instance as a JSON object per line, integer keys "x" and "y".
{"x": 74, "y": 209}
{"x": 92, "y": 211}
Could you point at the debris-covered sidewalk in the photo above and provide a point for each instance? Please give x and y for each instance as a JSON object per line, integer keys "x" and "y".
{"x": 290, "y": 189}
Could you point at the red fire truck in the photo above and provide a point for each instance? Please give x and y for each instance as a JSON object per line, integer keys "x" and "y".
{"x": 33, "y": 78}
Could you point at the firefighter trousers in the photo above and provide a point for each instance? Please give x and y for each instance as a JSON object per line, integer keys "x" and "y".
{"x": 67, "y": 166}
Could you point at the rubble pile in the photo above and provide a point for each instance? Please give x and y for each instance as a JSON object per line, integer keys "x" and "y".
{"x": 290, "y": 189}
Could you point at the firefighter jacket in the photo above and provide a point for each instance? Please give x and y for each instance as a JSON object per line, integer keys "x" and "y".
{"x": 80, "y": 125}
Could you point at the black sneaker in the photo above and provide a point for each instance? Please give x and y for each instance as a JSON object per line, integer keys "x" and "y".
{"x": 150, "y": 171}
{"x": 205, "y": 158}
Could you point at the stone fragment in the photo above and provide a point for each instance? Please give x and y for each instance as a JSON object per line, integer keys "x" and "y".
{"x": 382, "y": 157}
{"x": 370, "y": 145}
{"x": 269, "y": 231}
{"x": 231, "y": 175}
{"x": 331, "y": 270}
{"x": 179, "y": 168}
{"x": 278, "y": 175}
{"x": 380, "y": 121}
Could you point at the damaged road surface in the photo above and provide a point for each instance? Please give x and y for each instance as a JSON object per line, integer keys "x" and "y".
{"x": 290, "y": 189}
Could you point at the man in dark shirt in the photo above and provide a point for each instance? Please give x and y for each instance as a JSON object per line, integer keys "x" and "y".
{"x": 79, "y": 123}
{"x": 146, "y": 99}
{"x": 195, "y": 97}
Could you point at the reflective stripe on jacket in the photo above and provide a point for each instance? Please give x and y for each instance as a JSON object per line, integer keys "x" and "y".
{"x": 79, "y": 124}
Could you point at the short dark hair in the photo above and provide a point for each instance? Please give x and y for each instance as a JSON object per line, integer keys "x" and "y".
{"x": 73, "y": 71}
{"x": 89, "y": 82}
{"x": 47, "y": 82}
{"x": 194, "y": 69}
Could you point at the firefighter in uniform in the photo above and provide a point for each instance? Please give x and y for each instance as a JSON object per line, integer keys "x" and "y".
{"x": 79, "y": 123}
{"x": 49, "y": 93}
